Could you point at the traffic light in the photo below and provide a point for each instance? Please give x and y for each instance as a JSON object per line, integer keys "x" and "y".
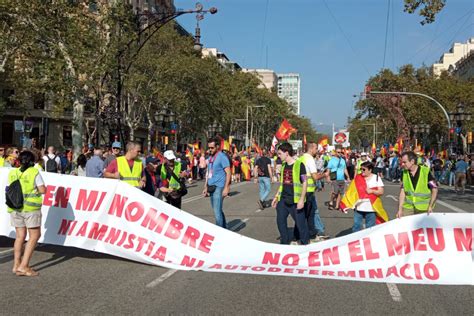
{"x": 451, "y": 130}
{"x": 469, "y": 137}
{"x": 173, "y": 131}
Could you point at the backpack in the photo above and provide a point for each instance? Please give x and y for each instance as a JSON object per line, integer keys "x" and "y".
{"x": 14, "y": 195}
{"x": 51, "y": 165}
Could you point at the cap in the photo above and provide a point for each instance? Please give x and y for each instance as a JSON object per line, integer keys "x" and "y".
{"x": 152, "y": 160}
{"x": 169, "y": 155}
{"x": 116, "y": 145}
{"x": 363, "y": 154}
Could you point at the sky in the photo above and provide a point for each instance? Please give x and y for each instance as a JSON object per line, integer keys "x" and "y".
{"x": 335, "y": 45}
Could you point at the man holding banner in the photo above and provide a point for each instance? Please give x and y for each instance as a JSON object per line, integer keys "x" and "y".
{"x": 419, "y": 190}
{"x": 128, "y": 168}
{"x": 291, "y": 195}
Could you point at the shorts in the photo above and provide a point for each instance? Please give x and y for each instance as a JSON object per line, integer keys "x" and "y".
{"x": 25, "y": 219}
{"x": 338, "y": 187}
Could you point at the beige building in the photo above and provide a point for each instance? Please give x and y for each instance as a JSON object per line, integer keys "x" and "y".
{"x": 221, "y": 58}
{"x": 448, "y": 61}
{"x": 268, "y": 77}
{"x": 464, "y": 68}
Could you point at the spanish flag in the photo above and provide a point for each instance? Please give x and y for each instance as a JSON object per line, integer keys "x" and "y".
{"x": 356, "y": 191}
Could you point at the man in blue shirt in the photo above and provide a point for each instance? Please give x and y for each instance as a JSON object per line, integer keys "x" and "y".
{"x": 337, "y": 166}
{"x": 461, "y": 172}
{"x": 217, "y": 180}
{"x": 95, "y": 165}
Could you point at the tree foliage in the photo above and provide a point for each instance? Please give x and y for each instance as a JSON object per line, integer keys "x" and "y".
{"x": 103, "y": 59}
{"x": 449, "y": 91}
{"x": 428, "y": 9}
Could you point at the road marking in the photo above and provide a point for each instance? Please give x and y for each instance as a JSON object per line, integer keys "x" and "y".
{"x": 161, "y": 278}
{"x": 6, "y": 253}
{"x": 394, "y": 292}
{"x": 452, "y": 207}
{"x": 392, "y": 197}
{"x": 169, "y": 273}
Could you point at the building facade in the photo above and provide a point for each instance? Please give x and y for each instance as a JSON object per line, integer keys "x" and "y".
{"x": 465, "y": 67}
{"x": 448, "y": 61}
{"x": 221, "y": 58}
{"x": 289, "y": 90}
{"x": 268, "y": 77}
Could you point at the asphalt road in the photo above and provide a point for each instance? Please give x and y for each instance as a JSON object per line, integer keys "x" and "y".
{"x": 74, "y": 281}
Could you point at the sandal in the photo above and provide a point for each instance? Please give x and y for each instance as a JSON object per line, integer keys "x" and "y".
{"x": 28, "y": 273}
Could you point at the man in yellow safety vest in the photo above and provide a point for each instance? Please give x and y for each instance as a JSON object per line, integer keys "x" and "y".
{"x": 291, "y": 195}
{"x": 128, "y": 168}
{"x": 419, "y": 188}
{"x": 170, "y": 174}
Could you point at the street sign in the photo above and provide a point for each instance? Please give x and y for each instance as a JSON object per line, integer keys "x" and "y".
{"x": 341, "y": 138}
{"x": 296, "y": 144}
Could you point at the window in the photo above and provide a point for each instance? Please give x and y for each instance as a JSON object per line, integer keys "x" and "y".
{"x": 38, "y": 102}
{"x": 67, "y": 136}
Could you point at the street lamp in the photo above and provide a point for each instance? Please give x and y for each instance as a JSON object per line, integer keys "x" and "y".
{"x": 149, "y": 29}
{"x": 460, "y": 116}
{"x": 247, "y": 140}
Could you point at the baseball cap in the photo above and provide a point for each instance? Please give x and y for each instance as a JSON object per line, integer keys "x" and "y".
{"x": 152, "y": 160}
{"x": 169, "y": 155}
{"x": 116, "y": 145}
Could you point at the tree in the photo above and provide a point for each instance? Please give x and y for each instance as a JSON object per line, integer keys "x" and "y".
{"x": 381, "y": 109}
{"x": 427, "y": 9}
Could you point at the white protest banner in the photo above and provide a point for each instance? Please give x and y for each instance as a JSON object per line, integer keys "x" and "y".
{"x": 111, "y": 217}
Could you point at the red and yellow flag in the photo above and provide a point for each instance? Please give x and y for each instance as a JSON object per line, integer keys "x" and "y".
{"x": 356, "y": 191}
{"x": 323, "y": 142}
{"x": 374, "y": 148}
{"x": 285, "y": 130}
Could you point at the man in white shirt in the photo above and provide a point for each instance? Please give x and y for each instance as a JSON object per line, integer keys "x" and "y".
{"x": 52, "y": 162}
{"x": 315, "y": 224}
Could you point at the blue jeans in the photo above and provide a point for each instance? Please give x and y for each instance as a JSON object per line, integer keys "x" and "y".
{"x": 216, "y": 204}
{"x": 451, "y": 178}
{"x": 437, "y": 175}
{"x": 359, "y": 217}
{"x": 265, "y": 187}
{"x": 315, "y": 224}
{"x": 283, "y": 210}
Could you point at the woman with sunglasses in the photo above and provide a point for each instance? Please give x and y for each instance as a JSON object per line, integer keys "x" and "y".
{"x": 11, "y": 159}
{"x": 363, "y": 195}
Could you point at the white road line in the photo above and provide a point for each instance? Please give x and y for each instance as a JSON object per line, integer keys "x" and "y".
{"x": 6, "y": 253}
{"x": 394, "y": 292}
{"x": 451, "y": 207}
{"x": 169, "y": 273}
{"x": 162, "y": 278}
{"x": 392, "y": 197}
